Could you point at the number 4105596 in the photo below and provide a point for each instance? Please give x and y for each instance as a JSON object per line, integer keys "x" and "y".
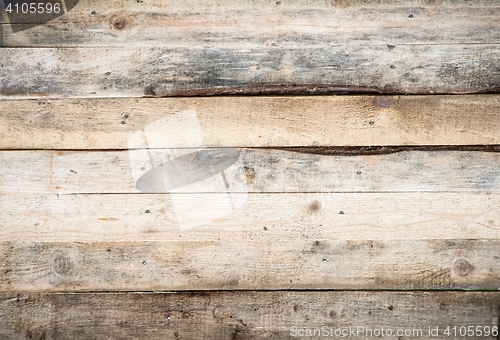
{"x": 33, "y": 8}
{"x": 468, "y": 331}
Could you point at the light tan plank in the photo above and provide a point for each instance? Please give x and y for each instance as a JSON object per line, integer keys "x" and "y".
{"x": 256, "y": 263}
{"x": 251, "y": 121}
{"x": 278, "y": 217}
{"x": 244, "y": 315}
{"x": 260, "y": 23}
{"x": 256, "y": 170}
{"x": 165, "y": 71}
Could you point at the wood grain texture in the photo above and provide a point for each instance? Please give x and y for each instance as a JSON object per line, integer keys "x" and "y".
{"x": 278, "y": 217}
{"x": 229, "y": 263}
{"x": 105, "y": 195}
{"x": 239, "y": 315}
{"x": 252, "y": 121}
{"x": 256, "y": 24}
{"x": 184, "y": 71}
{"x": 257, "y": 170}
{"x": 176, "y": 48}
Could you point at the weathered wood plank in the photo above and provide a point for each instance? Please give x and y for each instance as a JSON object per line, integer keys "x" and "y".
{"x": 259, "y": 23}
{"x": 261, "y": 263}
{"x": 245, "y": 315}
{"x": 256, "y": 170}
{"x": 256, "y": 263}
{"x": 282, "y": 217}
{"x": 251, "y": 121}
{"x": 168, "y": 71}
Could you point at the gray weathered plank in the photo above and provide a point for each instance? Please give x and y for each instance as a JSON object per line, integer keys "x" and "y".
{"x": 256, "y": 170}
{"x": 245, "y": 315}
{"x": 256, "y": 24}
{"x": 168, "y": 71}
{"x": 279, "y": 217}
{"x": 262, "y": 263}
{"x": 272, "y": 47}
{"x": 251, "y": 121}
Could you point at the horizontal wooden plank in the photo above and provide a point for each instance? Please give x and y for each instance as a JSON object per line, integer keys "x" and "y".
{"x": 248, "y": 315}
{"x": 256, "y": 24}
{"x": 256, "y": 263}
{"x": 256, "y": 170}
{"x": 251, "y": 121}
{"x": 273, "y": 217}
{"x": 176, "y": 71}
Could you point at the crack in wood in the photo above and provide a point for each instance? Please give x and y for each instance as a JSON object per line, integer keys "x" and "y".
{"x": 383, "y": 150}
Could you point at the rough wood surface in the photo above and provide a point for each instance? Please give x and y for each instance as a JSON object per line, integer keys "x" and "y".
{"x": 165, "y": 71}
{"x": 250, "y": 264}
{"x": 252, "y": 121}
{"x": 256, "y": 24}
{"x": 279, "y": 217}
{"x": 242, "y": 315}
{"x": 407, "y": 198}
{"x": 257, "y": 170}
{"x": 179, "y": 48}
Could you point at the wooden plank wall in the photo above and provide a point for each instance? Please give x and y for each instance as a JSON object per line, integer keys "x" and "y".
{"x": 242, "y": 170}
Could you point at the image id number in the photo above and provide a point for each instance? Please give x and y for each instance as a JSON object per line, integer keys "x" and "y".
{"x": 33, "y": 8}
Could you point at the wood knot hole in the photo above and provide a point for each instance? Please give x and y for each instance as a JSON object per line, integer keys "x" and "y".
{"x": 462, "y": 267}
{"x": 119, "y": 23}
{"x": 314, "y": 207}
{"x": 249, "y": 174}
{"x": 61, "y": 265}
